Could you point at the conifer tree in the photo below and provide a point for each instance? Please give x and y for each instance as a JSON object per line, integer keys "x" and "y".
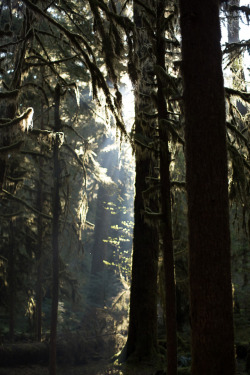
{"x": 166, "y": 209}
{"x": 207, "y": 189}
{"x": 142, "y": 335}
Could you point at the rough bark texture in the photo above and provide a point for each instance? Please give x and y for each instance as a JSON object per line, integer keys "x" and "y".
{"x": 55, "y": 237}
{"x": 166, "y": 225}
{"x": 142, "y": 335}
{"x": 39, "y": 292}
{"x": 11, "y": 277}
{"x": 39, "y": 258}
{"x": 233, "y": 23}
{"x": 208, "y": 213}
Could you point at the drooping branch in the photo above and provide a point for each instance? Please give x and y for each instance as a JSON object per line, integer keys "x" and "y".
{"x": 13, "y": 146}
{"x": 230, "y": 47}
{"x": 238, "y": 133}
{"x": 169, "y": 124}
{"x": 244, "y": 9}
{"x": 9, "y": 94}
{"x": 24, "y": 116}
{"x": 243, "y": 95}
{"x": 27, "y": 205}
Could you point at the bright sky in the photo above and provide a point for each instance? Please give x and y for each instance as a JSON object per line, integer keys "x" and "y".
{"x": 244, "y": 35}
{"x": 128, "y": 99}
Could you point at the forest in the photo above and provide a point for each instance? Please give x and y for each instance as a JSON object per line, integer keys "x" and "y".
{"x": 124, "y": 187}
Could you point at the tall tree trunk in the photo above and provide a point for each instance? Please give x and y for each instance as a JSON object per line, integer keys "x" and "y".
{"x": 207, "y": 189}
{"x": 39, "y": 258}
{"x": 233, "y": 23}
{"x": 11, "y": 278}
{"x": 55, "y": 235}
{"x": 166, "y": 224}
{"x": 39, "y": 294}
{"x": 142, "y": 334}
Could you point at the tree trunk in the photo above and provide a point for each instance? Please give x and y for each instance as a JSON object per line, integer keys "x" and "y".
{"x": 55, "y": 236}
{"x": 39, "y": 258}
{"x": 11, "y": 281}
{"x": 233, "y": 23}
{"x": 166, "y": 224}
{"x": 207, "y": 189}
{"x": 142, "y": 334}
{"x": 39, "y": 294}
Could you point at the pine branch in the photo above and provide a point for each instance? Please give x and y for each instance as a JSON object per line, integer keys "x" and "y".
{"x": 11, "y": 215}
{"x": 38, "y": 87}
{"x": 150, "y": 190}
{"x": 14, "y": 179}
{"x": 11, "y": 196}
{"x": 11, "y": 147}
{"x": 17, "y": 119}
{"x": 9, "y": 94}
{"x": 149, "y": 10}
{"x": 34, "y": 153}
{"x": 96, "y": 75}
{"x": 172, "y": 130}
{"x": 244, "y": 9}
{"x": 74, "y": 131}
{"x": 230, "y": 47}
{"x": 74, "y": 154}
{"x": 155, "y": 215}
{"x": 239, "y": 134}
{"x": 243, "y": 95}
{"x": 3, "y": 46}
{"x": 178, "y": 184}
{"x": 71, "y": 36}
{"x": 48, "y": 63}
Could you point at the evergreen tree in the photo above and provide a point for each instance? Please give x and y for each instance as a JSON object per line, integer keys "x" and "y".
{"x": 207, "y": 190}
{"x": 166, "y": 209}
{"x": 142, "y": 334}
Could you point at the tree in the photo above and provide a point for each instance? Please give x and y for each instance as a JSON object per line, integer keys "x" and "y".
{"x": 55, "y": 231}
{"x": 142, "y": 334}
{"x": 207, "y": 189}
{"x": 166, "y": 209}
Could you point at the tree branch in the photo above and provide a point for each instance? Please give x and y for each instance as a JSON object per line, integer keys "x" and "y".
{"x": 26, "y": 205}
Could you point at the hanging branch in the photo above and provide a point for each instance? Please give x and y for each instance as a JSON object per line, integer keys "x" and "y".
{"x": 96, "y": 75}
{"x": 38, "y": 87}
{"x": 230, "y": 47}
{"x": 13, "y": 146}
{"x": 239, "y": 134}
{"x": 9, "y": 94}
{"x": 175, "y": 135}
{"x": 73, "y": 37}
{"x": 244, "y": 9}
{"x": 18, "y": 119}
{"x": 149, "y": 10}
{"x": 243, "y": 95}
{"x": 27, "y": 205}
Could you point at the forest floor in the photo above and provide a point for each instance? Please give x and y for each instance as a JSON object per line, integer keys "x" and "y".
{"x": 95, "y": 351}
{"x": 97, "y": 368}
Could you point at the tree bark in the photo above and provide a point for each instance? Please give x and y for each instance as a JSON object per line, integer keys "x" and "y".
{"x": 166, "y": 223}
{"x": 142, "y": 335}
{"x": 207, "y": 190}
{"x": 55, "y": 236}
{"x": 11, "y": 279}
